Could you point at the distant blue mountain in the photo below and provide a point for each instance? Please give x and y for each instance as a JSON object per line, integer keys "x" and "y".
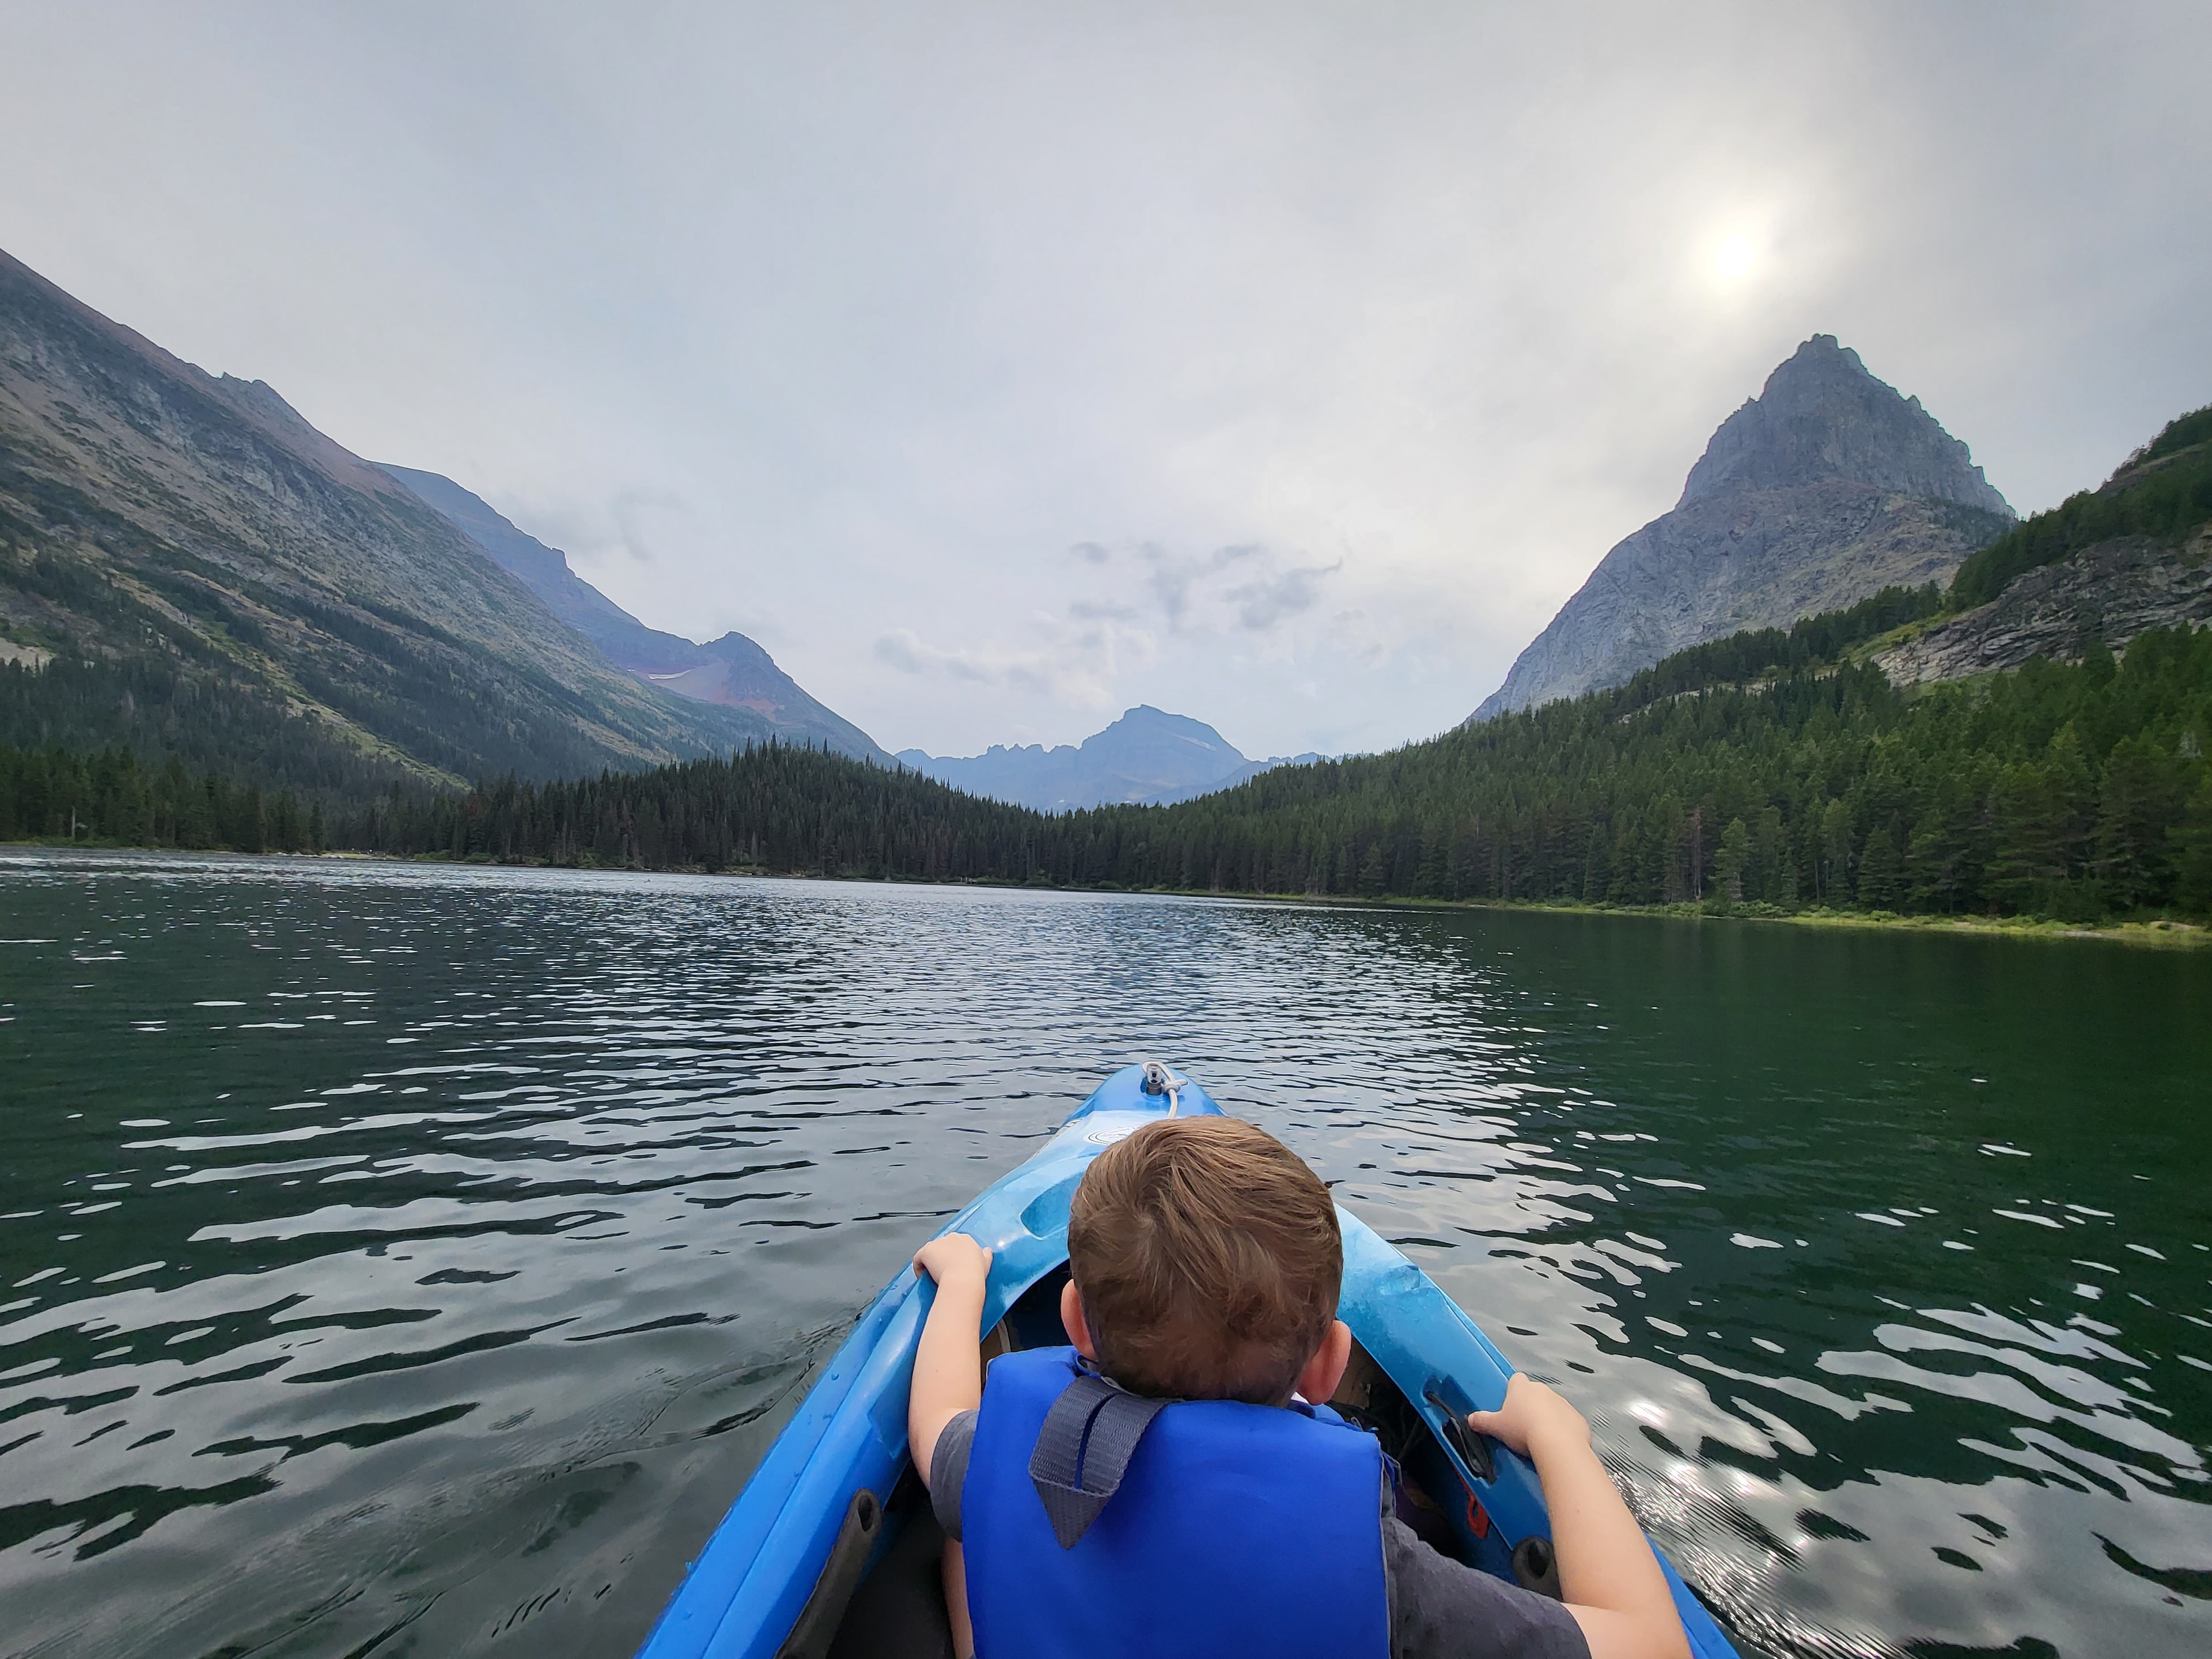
{"x": 1148, "y": 756}
{"x": 732, "y": 671}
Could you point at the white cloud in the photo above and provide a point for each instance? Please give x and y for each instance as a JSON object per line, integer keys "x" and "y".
{"x": 1245, "y": 584}
{"x": 847, "y": 326}
{"x": 1075, "y": 665}
{"x": 1267, "y": 601}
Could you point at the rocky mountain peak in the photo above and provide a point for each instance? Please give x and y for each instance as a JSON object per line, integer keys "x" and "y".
{"x": 1147, "y": 755}
{"x": 1825, "y": 488}
{"x": 1822, "y": 416}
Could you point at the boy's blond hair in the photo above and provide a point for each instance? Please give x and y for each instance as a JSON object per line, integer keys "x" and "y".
{"x": 1209, "y": 1261}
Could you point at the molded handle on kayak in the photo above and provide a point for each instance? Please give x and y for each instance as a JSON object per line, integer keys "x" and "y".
{"x": 1473, "y": 1449}
{"x": 818, "y": 1621}
{"x": 1536, "y": 1567}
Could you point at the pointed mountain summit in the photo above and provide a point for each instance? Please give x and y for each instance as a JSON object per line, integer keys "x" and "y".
{"x": 1818, "y": 492}
{"x": 1148, "y": 756}
{"x": 1822, "y": 416}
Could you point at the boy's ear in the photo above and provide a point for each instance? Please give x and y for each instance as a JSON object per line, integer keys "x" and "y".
{"x": 1070, "y": 1318}
{"x": 1318, "y": 1383}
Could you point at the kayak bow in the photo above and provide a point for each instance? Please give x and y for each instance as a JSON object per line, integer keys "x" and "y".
{"x": 824, "y": 1508}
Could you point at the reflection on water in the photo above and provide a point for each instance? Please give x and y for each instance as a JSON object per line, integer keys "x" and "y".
{"x": 405, "y": 1259}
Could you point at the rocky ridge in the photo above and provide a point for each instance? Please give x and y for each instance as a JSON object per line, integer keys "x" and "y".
{"x": 214, "y": 579}
{"x": 2109, "y": 593}
{"x": 1825, "y": 489}
{"x": 2104, "y": 566}
{"x": 733, "y": 672}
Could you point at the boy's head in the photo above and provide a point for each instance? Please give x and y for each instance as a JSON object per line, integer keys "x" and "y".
{"x": 1208, "y": 1261}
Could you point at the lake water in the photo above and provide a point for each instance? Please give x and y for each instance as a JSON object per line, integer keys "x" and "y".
{"x": 416, "y": 1261}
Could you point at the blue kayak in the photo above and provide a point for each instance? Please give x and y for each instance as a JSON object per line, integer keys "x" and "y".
{"x": 830, "y": 1548}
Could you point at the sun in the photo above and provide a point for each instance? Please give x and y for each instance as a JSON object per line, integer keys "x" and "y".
{"x": 1733, "y": 258}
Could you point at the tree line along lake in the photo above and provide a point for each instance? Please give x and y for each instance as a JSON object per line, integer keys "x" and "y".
{"x": 417, "y": 1259}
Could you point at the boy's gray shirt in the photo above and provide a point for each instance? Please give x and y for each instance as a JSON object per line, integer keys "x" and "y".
{"x": 1439, "y": 1609}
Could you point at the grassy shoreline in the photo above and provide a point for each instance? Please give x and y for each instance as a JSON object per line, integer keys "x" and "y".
{"x": 2162, "y": 933}
{"x": 2158, "y": 933}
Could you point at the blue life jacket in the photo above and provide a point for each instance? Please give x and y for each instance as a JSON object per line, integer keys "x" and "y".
{"x": 1234, "y": 1530}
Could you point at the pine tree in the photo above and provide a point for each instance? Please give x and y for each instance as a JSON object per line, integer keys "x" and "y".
{"x": 1835, "y": 880}
{"x": 1731, "y": 862}
{"x": 1881, "y": 885}
{"x": 2140, "y": 802}
{"x": 1597, "y": 864}
{"x": 2191, "y": 838}
{"x": 1371, "y": 881}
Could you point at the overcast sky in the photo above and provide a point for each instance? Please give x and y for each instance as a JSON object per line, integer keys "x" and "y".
{"x": 999, "y": 367}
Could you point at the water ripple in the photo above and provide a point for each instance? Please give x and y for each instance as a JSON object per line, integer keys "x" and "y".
{"x": 407, "y": 1259}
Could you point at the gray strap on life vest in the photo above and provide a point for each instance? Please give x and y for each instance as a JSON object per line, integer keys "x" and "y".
{"x": 1084, "y": 1450}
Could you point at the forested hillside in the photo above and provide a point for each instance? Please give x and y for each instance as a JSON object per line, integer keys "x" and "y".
{"x": 2163, "y": 490}
{"x": 1775, "y": 769}
{"x": 2072, "y": 791}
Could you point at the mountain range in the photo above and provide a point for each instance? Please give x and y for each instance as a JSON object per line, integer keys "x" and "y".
{"x": 1148, "y": 756}
{"x": 191, "y": 569}
{"x": 1825, "y": 489}
{"x": 732, "y": 672}
{"x": 199, "y": 573}
{"x": 218, "y": 628}
{"x": 2055, "y": 767}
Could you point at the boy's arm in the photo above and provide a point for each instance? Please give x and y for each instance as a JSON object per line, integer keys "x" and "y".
{"x": 1609, "y": 1576}
{"x": 948, "y": 1365}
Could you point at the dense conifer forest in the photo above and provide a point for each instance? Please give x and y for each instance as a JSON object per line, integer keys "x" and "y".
{"x": 110, "y": 798}
{"x": 2067, "y": 791}
{"x": 1767, "y": 772}
{"x": 1778, "y": 778}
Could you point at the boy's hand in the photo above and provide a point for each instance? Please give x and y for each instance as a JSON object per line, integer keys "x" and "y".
{"x": 1608, "y": 1575}
{"x": 948, "y": 1372}
{"x": 953, "y": 1259}
{"x": 1533, "y": 1420}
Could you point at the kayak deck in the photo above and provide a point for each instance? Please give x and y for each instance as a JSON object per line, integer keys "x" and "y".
{"x": 830, "y": 1547}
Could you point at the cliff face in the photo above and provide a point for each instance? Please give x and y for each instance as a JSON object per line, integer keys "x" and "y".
{"x": 1825, "y": 489}
{"x": 733, "y": 672}
{"x": 2105, "y": 565}
{"x": 2110, "y": 592}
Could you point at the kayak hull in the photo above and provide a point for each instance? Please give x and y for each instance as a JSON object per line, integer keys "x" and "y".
{"x": 749, "y": 1586}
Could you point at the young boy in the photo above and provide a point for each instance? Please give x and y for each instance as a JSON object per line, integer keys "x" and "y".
{"x": 1162, "y": 1487}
